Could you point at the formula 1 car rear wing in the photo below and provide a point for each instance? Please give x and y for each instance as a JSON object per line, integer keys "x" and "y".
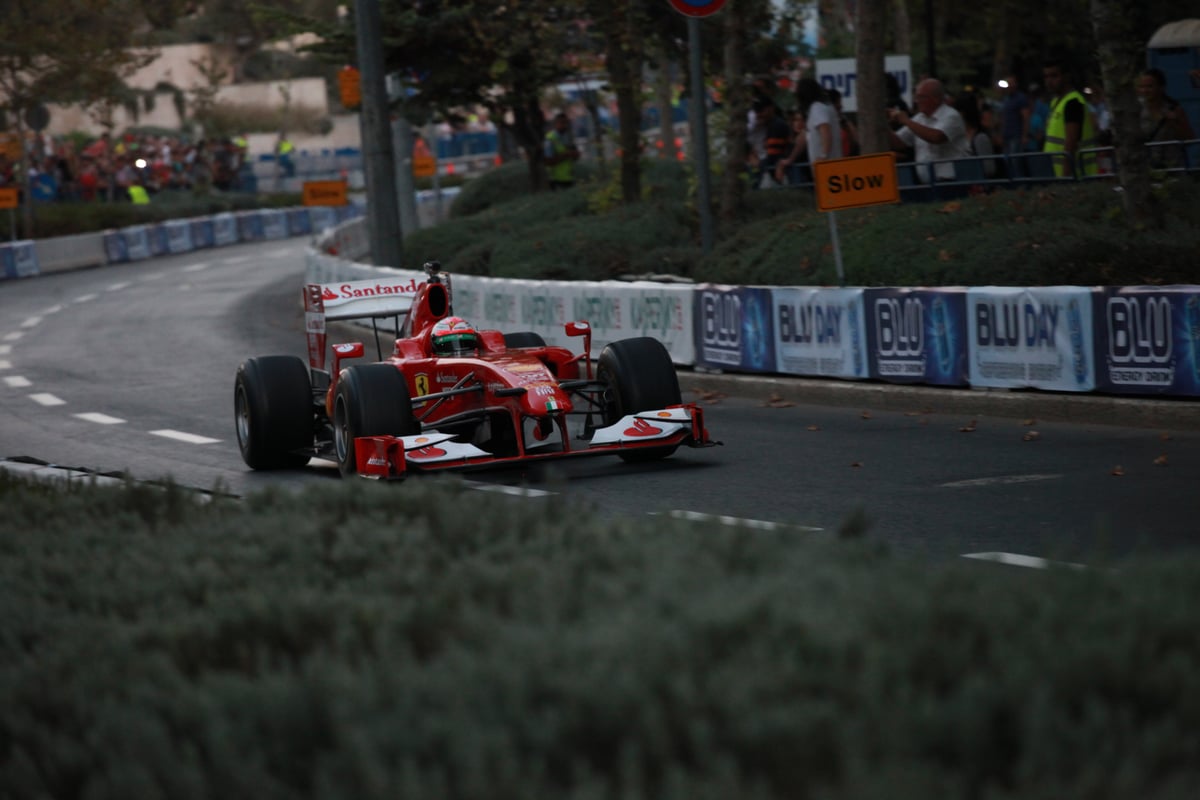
{"x": 369, "y": 299}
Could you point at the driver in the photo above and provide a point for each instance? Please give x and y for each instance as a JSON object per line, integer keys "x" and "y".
{"x": 454, "y": 336}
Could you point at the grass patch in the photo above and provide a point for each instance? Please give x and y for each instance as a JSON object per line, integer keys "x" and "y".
{"x": 358, "y": 640}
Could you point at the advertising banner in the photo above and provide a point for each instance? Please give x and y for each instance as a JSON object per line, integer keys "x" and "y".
{"x": 819, "y": 332}
{"x": 114, "y": 247}
{"x": 274, "y": 224}
{"x": 1149, "y": 340}
{"x": 298, "y": 222}
{"x": 7, "y": 269}
{"x": 24, "y": 256}
{"x": 733, "y": 328}
{"x": 137, "y": 242}
{"x": 917, "y": 335}
{"x": 842, "y": 74}
{"x": 321, "y": 217}
{"x": 1032, "y": 337}
{"x": 179, "y": 236}
{"x": 249, "y": 226}
{"x": 156, "y": 235}
{"x": 202, "y": 232}
{"x": 225, "y": 229}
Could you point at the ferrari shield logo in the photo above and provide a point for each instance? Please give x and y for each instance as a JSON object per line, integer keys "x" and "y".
{"x": 422, "y": 383}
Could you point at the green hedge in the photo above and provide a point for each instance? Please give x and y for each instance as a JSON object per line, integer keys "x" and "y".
{"x": 368, "y": 641}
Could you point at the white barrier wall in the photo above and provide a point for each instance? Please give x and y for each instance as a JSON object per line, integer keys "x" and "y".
{"x": 820, "y": 332}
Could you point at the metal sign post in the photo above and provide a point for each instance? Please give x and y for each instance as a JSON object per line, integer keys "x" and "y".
{"x": 852, "y": 183}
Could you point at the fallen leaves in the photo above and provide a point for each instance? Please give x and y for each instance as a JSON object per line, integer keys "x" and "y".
{"x": 855, "y": 464}
{"x": 945, "y": 255}
{"x": 776, "y": 400}
{"x": 1031, "y": 436}
{"x": 968, "y": 428}
{"x": 710, "y": 396}
{"x": 865, "y": 415}
{"x": 953, "y": 207}
{"x": 1161, "y": 461}
{"x": 1118, "y": 471}
{"x": 813, "y": 428}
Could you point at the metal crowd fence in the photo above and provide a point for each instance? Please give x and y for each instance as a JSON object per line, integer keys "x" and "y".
{"x": 950, "y": 178}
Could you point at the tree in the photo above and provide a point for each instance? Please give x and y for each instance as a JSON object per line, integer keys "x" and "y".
{"x": 1121, "y": 47}
{"x": 44, "y": 57}
{"x": 871, "y": 90}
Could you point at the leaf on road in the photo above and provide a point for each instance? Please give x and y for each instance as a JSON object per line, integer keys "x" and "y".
{"x": 945, "y": 255}
{"x": 1027, "y": 423}
{"x": 855, "y": 464}
{"x": 1031, "y": 436}
{"x": 865, "y": 415}
{"x": 968, "y": 428}
{"x": 1118, "y": 470}
{"x": 813, "y": 427}
{"x": 1165, "y": 437}
{"x": 776, "y": 401}
{"x": 1161, "y": 461}
{"x": 710, "y": 396}
{"x": 952, "y": 207}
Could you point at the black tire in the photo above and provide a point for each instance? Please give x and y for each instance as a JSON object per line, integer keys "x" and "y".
{"x": 372, "y": 400}
{"x": 273, "y": 412}
{"x": 640, "y": 376}
{"x": 523, "y": 339}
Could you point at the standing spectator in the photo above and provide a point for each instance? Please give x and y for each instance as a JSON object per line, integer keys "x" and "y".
{"x": 1070, "y": 127}
{"x": 775, "y": 142}
{"x": 820, "y": 141}
{"x": 283, "y": 151}
{"x": 935, "y": 134}
{"x": 1039, "y": 115}
{"x": 979, "y": 141}
{"x": 1163, "y": 119}
{"x": 847, "y": 128}
{"x": 1015, "y": 111}
{"x": 561, "y": 153}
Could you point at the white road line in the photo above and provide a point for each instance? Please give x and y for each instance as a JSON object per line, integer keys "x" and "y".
{"x": 196, "y": 267}
{"x": 154, "y": 276}
{"x": 281, "y": 253}
{"x": 1018, "y": 560}
{"x": 738, "y": 522}
{"x": 5, "y": 349}
{"x": 514, "y": 491}
{"x": 17, "y": 381}
{"x": 52, "y": 310}
{"x": 46, "y": 399}
{"x": 86, "y": 298}
{"x": 237, "y": 259}
{"x": 31, "y": 321}
{"x": 1000, "y": 480}
{"x": 180, "y": 436}
{"x": 12, "y": 337}
{"x": 103, "y": 419}
{"x": 118, "y": 287}
{"x": 5, "y": 364}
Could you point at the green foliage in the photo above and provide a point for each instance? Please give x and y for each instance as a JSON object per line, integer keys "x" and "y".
{"x": 1065, "y": 234}
{"x": 423, "y": 640}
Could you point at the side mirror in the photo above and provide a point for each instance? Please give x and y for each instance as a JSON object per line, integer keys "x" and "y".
{"x": 585, "y": 330}
{"x": 343, "y": 352}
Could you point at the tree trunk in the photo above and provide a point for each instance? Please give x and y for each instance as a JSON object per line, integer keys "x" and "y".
{"x": 666, "y": 111}
{"x": 871, "y": 88}
{"x": 737, "y": 105}
{"x": 1120, "y": 50}
{"x": 902, "y": 25}
{"x": 528, "y": 128}
{"x": 624, "y": 61}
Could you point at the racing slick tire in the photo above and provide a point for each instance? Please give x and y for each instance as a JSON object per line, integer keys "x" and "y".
{"x": 372, "y": 400}
{"x": 273, "y": 412}
{"x": 640, "y": 376}
{"x": 523, "y": 339}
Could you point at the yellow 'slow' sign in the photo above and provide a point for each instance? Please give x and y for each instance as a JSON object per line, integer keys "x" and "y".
{"x": 10, "y": 197}
{"x": 324, "y": 193}
{"x": 852, "y": 182}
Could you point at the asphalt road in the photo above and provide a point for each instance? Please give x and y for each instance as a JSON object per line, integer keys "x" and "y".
{"x": 130, "y": 369}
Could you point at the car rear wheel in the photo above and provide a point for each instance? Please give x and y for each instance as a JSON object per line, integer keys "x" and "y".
{"x": 273, "y": 412}
{"x": 639, "y": 376}
{"x": 372, "y": 400}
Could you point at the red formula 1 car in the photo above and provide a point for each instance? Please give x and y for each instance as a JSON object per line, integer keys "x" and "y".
{"x": 449, "y": 396}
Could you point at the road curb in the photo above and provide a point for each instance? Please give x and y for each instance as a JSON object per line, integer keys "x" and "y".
{"x": 1136, "y": 412}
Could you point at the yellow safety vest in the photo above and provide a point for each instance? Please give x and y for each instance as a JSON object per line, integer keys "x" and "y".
{"x": 563, "y": 171}
{"x": 138, "y": 195}
{"x": 1056, "y": 134}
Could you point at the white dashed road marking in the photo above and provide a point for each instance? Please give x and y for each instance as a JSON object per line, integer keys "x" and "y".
{"x": 103, "y": 419}
{"x": 17, "y": 381}
{"x": 1001, "y": 480}
{"x": 47, "y": 399}
{"x": 5, "y": 349}
{"x": 196, "y": 267}
{"x": 52, "y": 310}
{"x": 14, "y": 336}
{"x": 237, "y": 260}
{"x": 5, "y": 364}
{"x": 118, "y": 287}
{"x": 31, "y": 321}
{"x": 180, "y": 436}
{"x": 1018, "y": 560}
{"x": 281, "y": 253}
{"x": 739, "y": 522}
{"x": 515, "y": 491}
{"x": 85, "y": 298}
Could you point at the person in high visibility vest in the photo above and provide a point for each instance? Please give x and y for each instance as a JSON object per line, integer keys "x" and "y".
{"x": 138, "y": 195}
{"x": 561, "y": 153}
{"x": 283, "y": 151}
{"x": 1070, "y": 127}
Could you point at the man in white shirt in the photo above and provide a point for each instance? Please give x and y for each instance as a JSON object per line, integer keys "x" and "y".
{"x": 934, "y": 133}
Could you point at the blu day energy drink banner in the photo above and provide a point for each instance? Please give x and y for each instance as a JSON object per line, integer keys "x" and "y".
{"x": 917, "y": 335}
{"x": 733, "y": 328}
{"x": 1151, "y": 340}
{"x": 820, "y": 332}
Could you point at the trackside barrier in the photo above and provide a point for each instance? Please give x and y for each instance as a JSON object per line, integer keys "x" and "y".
{"x": 250, "y": 226}
{"x": 225, "y": 229}
{"x": 179, "y": 236}
{"x": 18, "y": 259}
{"x": 202, "y": 232}
{"x": 63, "y": 253}
{"x": 156, "y": 235}
{"x": 274, "y": 223}
{"x": 1129, "y": 340}
{"x": 137, "y": 243}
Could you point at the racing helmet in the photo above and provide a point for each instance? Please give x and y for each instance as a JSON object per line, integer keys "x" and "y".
{"x": 454, "y": 336}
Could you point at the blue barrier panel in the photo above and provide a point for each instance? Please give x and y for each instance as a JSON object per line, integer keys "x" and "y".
{"x": 157, "y": 236}
{"x": 202, "y": 232}
{"x": 348, "y": 211}
{"x": 8, "y": 269}
{"x": 1148, "y": 340}
{"x": 819, "y": 331}
{"x": 225, "y": 229}
{"x": 115, "y": 248}
{"x": 299, "y": 222}
{"x": 733, "y": 328}
{"x": 249, "y": 226}
{"x": 917, "y": 335}
{"x": 24, "y": 256}
{"x": 179, "y": 236}
{"x": 137, "y": 243}
{"x": 274, "y": 224}
{"x": 322, "y": 217}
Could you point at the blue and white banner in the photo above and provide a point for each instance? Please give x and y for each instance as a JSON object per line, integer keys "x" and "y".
{"x": 137, "y": 242}
{"x": 202, "y": 232}
{"x": 299, "y": 222}
{"x": 274, "y": 224}
{"x": 917, "y": 335}
{"x": 322, "y": 217}
{"x": 179, "y": 236}
{"x": 1035, "y": 337}
{"x": 114, "y": 247}
{"x": 1150, "y": 340}
{"x": 819, "y": 332}
{"x": 250, "y": 226}
{"x": 225, "y": 229}
{"x": 733, "y": 328}
{"x": 156, "y": 235}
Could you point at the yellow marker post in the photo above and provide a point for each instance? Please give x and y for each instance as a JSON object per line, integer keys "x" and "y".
{"x": 852, "y": 183}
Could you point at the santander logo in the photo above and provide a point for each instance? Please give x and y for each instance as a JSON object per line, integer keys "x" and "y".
{"x": 642, "y": 428}
{"x": 426, "y": 453}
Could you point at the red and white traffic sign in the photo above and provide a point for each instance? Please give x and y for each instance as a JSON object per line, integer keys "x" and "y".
{"x": 697, "y": 8}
